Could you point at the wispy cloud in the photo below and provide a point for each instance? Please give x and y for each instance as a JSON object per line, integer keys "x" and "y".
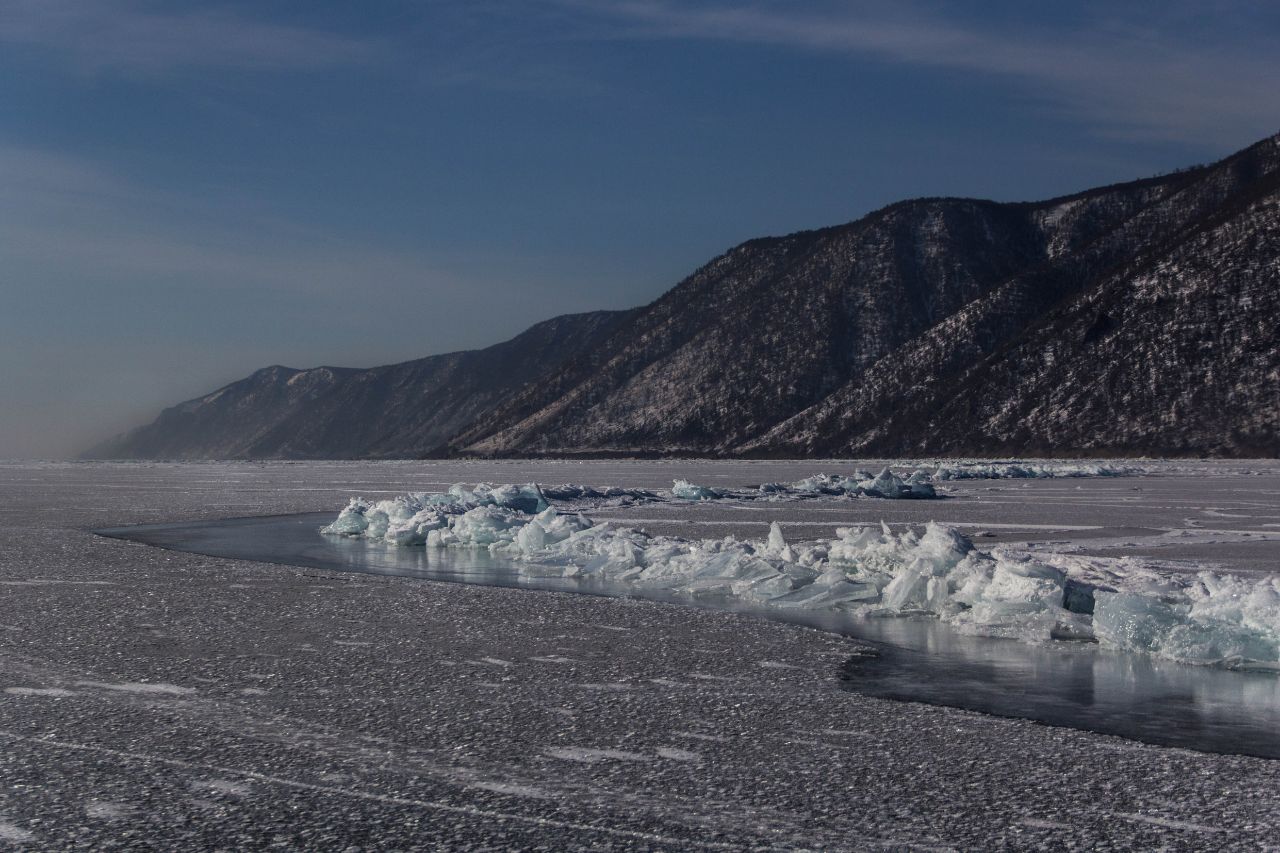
{"x": 81, "y": 237}
{"x": 121, "y": 35}
{"x": 64, "y": 214}
{"x": 1126, "y": 77}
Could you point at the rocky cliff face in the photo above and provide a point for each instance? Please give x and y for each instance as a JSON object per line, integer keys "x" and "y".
{"x": 1138, "y": 318}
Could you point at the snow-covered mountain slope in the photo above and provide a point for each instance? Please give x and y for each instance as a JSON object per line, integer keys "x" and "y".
{"x": 1160, "y": 337}
{"x": 1136, "y": 318}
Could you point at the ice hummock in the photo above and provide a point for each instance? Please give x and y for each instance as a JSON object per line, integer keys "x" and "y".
{"x": 686, "y": 491}
{"x": 1209, "y": 618}
{"x": 407, "y": 519}
{"x": 1213, "y": 618}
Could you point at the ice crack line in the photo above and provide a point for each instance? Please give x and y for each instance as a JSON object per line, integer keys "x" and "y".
{"x": 370, "y": 796}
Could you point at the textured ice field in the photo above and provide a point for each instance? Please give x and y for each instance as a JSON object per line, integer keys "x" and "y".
{"x": 168, "y": 700}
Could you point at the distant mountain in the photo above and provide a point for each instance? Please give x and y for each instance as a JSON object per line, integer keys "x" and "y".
{"x": 1140, "y": 318}
{"x": 400, "y": 410}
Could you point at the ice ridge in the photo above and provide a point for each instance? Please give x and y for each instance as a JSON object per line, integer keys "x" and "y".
{"x": 1209, "y": 618}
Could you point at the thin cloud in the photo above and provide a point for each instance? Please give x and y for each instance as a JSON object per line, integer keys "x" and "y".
{"x": 64, "y": 213}
{"x": 74, "y": 230}
{"x": 118, "y": 35}
{"x": 1125, "y": 80}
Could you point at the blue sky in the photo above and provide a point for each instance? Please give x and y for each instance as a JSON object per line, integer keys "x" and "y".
{"x": 192, "y": 191}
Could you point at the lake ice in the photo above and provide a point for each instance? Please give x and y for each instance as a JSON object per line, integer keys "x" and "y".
{"x": 279, "y": 654}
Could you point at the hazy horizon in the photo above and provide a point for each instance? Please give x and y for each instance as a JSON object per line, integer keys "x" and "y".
{"x": 195, "y": 191}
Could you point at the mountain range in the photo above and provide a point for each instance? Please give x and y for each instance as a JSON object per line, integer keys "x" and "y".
{"x": 1135, "y": 319}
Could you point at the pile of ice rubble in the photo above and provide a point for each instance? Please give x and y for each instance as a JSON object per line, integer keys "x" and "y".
{"x": 1025, "y": 470}
{"x": 886, "y": 484}
{"x": 1209, "y": 618}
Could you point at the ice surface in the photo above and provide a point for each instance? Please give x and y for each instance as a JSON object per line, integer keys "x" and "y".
{"x": 1207, "y": 618}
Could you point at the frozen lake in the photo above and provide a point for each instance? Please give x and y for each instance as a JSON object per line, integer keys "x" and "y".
{"x": 172, "y": 700}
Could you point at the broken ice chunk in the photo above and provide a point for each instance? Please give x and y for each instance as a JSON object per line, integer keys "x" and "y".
{"x": 684, "y": 490}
